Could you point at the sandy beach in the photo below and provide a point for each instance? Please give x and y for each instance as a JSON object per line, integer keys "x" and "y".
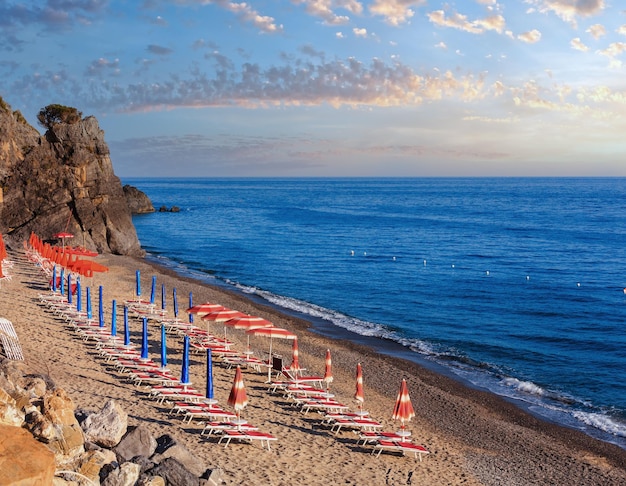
{"x": 474, "y": 437}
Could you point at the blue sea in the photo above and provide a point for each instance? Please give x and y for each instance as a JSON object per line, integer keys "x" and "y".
{"x": 514, "y": 285}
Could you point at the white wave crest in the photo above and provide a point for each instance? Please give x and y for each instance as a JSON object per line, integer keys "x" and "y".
{"x": 602, "y": 422}
{"x": 524, "y": 386}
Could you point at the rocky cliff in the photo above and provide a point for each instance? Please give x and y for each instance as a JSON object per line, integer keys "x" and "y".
{"x": 62, "y": 181}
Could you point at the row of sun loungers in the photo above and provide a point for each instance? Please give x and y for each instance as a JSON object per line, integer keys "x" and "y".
{"x": 9, "y": 340}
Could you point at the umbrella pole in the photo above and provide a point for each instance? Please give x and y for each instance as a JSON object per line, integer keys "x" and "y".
{"x": 269, "y": 364}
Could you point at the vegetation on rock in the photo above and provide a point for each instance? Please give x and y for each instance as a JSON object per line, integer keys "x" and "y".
{"x": 51, "y": 115}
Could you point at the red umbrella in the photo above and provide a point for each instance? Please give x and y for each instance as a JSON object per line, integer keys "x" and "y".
{"x": 206, "y": 308}
{"x": 403, "y": 409}
{"x": 220, "y": 316}
{"x": 328, "y": 372}
{"x": 295, "y": 363}
{"x": 246, "y": 322}
{"x": 63, "y": 235}
{"x": 238, "y": 399}
{"x": 358, "y": 394}
{"x": 272, "y": 333}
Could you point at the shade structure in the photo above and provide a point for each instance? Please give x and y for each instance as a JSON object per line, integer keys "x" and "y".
{"x": 210, "y": 398}
{"x": 328, "y": 369}
{"x": 144, "y": 339}
{"x": 403, "y": 409}
{"x": 184, "y": 372}
{"x": 126, "y": 328}
{"x": 220, "y": 316}
{"x": 175, "y": 302}
{"x": 153, "y": 290}
{"x": 246, "y": 323}
{"x": 359, "y": 396}
{"x": 295, "y": 358}
{"x": 272, "y": 333}
{"x": 100, "y": 307}
{"x": 238, "y": 399}
{"x": 163, "y": 348}
{"x": 114, "y": 318}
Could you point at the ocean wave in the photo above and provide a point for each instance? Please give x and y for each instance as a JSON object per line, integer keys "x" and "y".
{"x": 524, "y": 386}
{"x": 602, "y": 422}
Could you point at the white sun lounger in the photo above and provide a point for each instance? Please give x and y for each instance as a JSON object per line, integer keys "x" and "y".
{"x": 248, "y": 436}
{"x": 400, "y": 446}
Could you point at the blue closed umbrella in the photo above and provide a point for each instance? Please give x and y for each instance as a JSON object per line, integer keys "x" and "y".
{"x": 175, "y": 302}
{"x": 184, "y": 375}
{"x": 89, "y": 315}
{"x": 78, "y": 299}
{"x": 114, "y": 318}
{"x": 190, "y": 306}
{"x": 100, "y": 308}
{"x": 62, "y": 289}
{"x": 153, "y": 291}
{"x": 69, "y": 288}
{"x": 163, "y": 296}
{"x": 126, "y": 328}
{"x": 144, "y": 339}
{"x": 163, "y": 348}
{"x": 54, "y": 278}
{"x": 209, "y": 376}
{"x": 137, "y": 283}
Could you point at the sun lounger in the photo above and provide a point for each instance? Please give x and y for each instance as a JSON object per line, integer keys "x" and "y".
{"x": 356, "y": 424}
{"x": 399, "y": 446}
{"x": 220, "y": 427}
{"x": 249, "y": 436}
{"x": 10, "y": 342}
{"x": 370, "y": 437}
{"x": 322, "y": 405}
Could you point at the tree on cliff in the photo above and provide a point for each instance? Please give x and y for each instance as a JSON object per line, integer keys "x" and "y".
{"x": 53, "y": 114}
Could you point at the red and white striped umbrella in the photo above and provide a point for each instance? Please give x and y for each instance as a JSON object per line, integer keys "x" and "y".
{"x": 220, "y": 316}
{"x": 403, "y": 409}
{"x": 328, "y": 371}
{"x": 295, "y": 362}
{"x": 206, "y": 308}
{"x": 358, "y": 394}
{"x": 272, "y": 333}
{"x": 238, "y": 399}
{"x": 246, "y": 322}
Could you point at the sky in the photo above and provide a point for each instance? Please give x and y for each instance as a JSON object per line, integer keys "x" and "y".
{"x": 330, "y": 88}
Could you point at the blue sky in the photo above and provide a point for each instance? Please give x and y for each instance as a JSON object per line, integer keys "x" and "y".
{"x": 300, "y": 88}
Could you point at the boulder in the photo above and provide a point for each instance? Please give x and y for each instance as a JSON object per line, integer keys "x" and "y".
{"x": 63, "y": 434}
{"x": 90, "y": 463}
{"x": 137, "y": 442}
{"x": 24, "y": 460}
{"x": 10, "y": 414}
{"x": 179, "y": 452}
{"x": 174, "y": 473}
{"x": 107, "y": 427}
{"x": 126, "y": 475}
{"x": 138, "y": 202}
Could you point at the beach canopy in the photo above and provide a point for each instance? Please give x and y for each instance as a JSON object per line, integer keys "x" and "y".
{"x": 238, "y": 399}
{"x": 403, "y": 409}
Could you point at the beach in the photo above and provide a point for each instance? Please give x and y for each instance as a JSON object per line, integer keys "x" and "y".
{"x": 474, "y": 437}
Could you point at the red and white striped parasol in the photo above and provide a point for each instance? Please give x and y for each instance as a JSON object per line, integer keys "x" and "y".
{"x": 358, "y": 394}
{"x": 238, "y": 399}
{"x": 328, "y": 371}
{"x": 403, "y": 409}
{"x": 295, "y": 362}
{"x": 272, "y": 333}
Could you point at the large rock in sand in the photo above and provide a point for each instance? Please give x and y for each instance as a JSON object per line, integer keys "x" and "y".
{"x": 107, "y": 427}
{"x": 23, "y": 460}
{"x": 137, "y": 442}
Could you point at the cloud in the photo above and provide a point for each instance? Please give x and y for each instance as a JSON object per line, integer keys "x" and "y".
{"x": 614, "y": 50}
{"x": 159, "y": 50}
{"x": 359, "y": 32}
{"x": 246, "y": 13}
{"x": 50, "y": 14}
{"x": 460, "y": 22}
{"x": 530, "y": 37}
{"x": 395, "y": 12}
{"x": 621, "y": 30}
{"x": 577, "y": 44}
{"x": 569, "y": 10}
{"x": 324, "y": 10}
{"x": 103, "y": 66}
{"x": 596, "y": 31}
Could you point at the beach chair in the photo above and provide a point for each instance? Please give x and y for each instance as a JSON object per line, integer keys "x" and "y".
{"x": 219, "y": 427}
{"x": 248, "y": 436}
{"x": 399, "y": 446}
{"x": 355, "y": 424}
{"x": 10, "y": 342}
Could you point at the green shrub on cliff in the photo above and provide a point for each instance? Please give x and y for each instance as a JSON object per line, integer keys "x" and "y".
{"x": 54, "y": 114}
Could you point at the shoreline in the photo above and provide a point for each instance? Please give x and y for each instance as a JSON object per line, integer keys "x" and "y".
{"x": 474, "y": 436}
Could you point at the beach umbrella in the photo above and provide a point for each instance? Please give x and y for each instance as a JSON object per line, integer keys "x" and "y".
{"x": 113, "y": 317}
{"x": 153, "y": 289}
{"x": 184, "y": 374}
{"x": 126, "y": 328}
{"x": 163, "y": 296}
{"x": 272, "y": 333}
{"x": 62, "y": 281}
{"x": 88, "y": 301}
{"x": 137, "y": 283}
{"x": 100, "y": 308}
{"x": 328, "y": 371}
{"x": 220, "y": 316}
{"x": 175, "y": 303}
{"x": 403, "y": 409}
{"x": 69, "y": 288}
{"x": 163, "y": 348}
{"x": 209, "y": 377}
{"x": 54, "y": 278}
{"x": 203, "y": 309}
{"x": 78, "y": 299}
{"x": 190, "y": 306}
{"x": 295, "y": 361}
{"x": 238, "y": 399}
{"x": 358, "y": 394}
{"x": 63, "y": 235}
{"x": 246, "y": 323}
{"x": 144, "y": 339}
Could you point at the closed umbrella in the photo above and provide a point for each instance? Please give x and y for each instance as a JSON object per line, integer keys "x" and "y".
{"x": 295, "y": 360}
{"x": 163, "y": 296}
{"x": 163, "y": 349}
{"x": 403, "y": 409}
{"x": 175, "y": 303}
{"x": 210, "y": 398}
{"x": 88, "y": 299}
{"x": 113, "y": 318}
{"x": 328, "y": 370}
{"x": 78, "y": 299}
{"x": 358, "y": 394}
{"x": 126, "y": 328}
{"x": 272, "y": 333}
{"x": 137, "y": 284}
{"x": 62, "y": 281}
{"x": 69, "y": 288}
{"x": 54, "y": 278}
{"x": 190, "y": 306}
{"x": 144, "y": 339}
{"x": 100, "y": 308}
{"x": 184, "y": 374}
{"x": 238, "y": 399}
{"x": 153, "y": 290}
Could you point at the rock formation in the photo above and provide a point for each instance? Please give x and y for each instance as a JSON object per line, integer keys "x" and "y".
{"x": 62, "y": 181}
{"x": 138, "y": 201}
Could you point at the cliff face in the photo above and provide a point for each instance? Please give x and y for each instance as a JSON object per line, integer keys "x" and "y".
{"x": 62, "y": 181}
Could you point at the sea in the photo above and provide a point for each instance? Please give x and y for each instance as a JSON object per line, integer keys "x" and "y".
{"x": 512, "y": 285}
